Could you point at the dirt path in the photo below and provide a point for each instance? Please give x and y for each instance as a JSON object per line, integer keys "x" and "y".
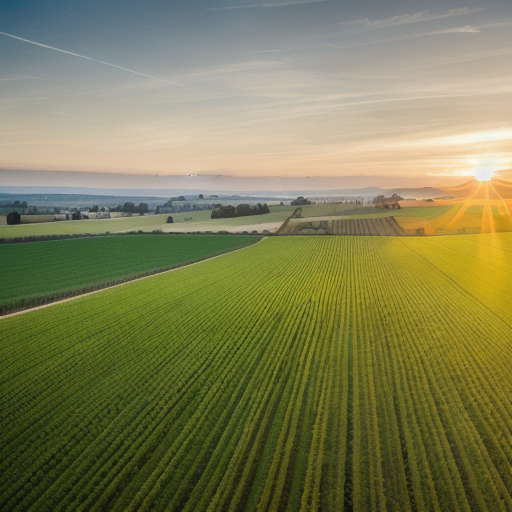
{"x": 126, "y": 282}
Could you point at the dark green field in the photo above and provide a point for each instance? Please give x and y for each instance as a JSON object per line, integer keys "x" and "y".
{"x": 31, "y": 271}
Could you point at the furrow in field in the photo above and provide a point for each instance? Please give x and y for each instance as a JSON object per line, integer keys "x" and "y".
{"x": 227, "y": 455}
{"x": 473, "y": 380}
{"x": 468, "y": 470}
{"x": 206, "y": 493}
{"x": 466, "y": 397}
{"x": 235, "y": 323}
{"x": 396, "y": 477}
{"x": 488, "y": 284}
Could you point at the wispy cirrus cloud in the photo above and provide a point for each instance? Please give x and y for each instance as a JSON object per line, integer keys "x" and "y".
{"x": 467, "y": 29}
{"x": 281, "y": 50}
{"x": 229, "y": 70}
{"x": 267, "y": 5}
{"x": 407, "y": 19}
{"x": 22, "y": 77}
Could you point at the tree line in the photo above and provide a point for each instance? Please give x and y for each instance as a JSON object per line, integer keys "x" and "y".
{"x": 130, "y": 207}
{"x": 242, "y": 210}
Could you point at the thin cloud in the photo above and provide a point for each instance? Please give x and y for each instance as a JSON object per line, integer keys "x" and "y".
{"x": 236, "y": 69}
{"x": 22, "y": 77}
{"x": 267, "y": 5}
{"x": 465, "y": 58}
{"x": 406, "y": 19}
{"x": 63, "y": 11}
{"x": 433, "y": 141}
{"x": 90, "y": 58}
{"x": 476, "y": 137}
{"x": 280, "y": 50}
{"x": 468, "y": 29}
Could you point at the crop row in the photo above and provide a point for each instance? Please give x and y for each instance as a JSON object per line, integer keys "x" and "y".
{"x": 304, "y": 373}
{"x": 385, "y": 226}
{"x": 380, "y": 226}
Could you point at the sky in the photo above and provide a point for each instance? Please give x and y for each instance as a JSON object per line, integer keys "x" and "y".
{"x": 256, "y": 87}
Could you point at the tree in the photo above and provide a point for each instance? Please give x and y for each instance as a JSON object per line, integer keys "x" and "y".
{"x": 170, "y": 220}
{"x": 13, "y": 218}
{"x": 229, "y": 211}
{"x": 143, "y": 208}
{"x": 243, "y": 210}
{"x": 200, "y": 196}
{"x": 129, "y": 207}
{"x": 300, "y": 201}
{"x": 94, "y": 209}
{"x": 76, "y": 215}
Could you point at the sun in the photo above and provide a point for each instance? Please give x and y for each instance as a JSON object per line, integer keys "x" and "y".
{"x": 484, "y": 172}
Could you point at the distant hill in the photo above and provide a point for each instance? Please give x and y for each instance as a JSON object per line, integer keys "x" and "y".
{"x": 501, "y": 183}
{"x": 76, "y": 200}
{"x": 64, "y": 196}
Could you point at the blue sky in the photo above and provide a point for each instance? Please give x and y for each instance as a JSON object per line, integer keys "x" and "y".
{"x": 256, "y": 88}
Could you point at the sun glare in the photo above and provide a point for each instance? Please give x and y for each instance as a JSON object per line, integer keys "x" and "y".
{"x": 484, "y": 172}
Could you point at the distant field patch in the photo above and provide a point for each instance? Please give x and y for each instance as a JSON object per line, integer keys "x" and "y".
{"x": 269, "y": 221}
{"x": 92, "y": 226}
{"x": 427, "y": 212}
{"x": 40, "y": 269}
{"x": 385, "y": 226}
{"x": 446, "y": 219}
{"x": 324, "y": 209}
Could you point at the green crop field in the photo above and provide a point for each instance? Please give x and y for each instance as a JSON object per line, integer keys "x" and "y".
{"x": 92, "y": 226}
{"x": 326, "y": 373}
{"x": 30, "y": 271}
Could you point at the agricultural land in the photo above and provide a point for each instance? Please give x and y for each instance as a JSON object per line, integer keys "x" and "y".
{"x": 306, "y": 373}
{"x": 474, "y": 207}
{"x": 415, "y": 218}
{"x": 187, "y": 222}
{"x": 40, "y": 272}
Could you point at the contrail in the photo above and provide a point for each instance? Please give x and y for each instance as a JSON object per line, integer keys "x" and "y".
{"x": 90, "y": 58}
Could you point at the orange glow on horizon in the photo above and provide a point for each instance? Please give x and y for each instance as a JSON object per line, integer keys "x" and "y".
{"x": 484, "y": 195}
